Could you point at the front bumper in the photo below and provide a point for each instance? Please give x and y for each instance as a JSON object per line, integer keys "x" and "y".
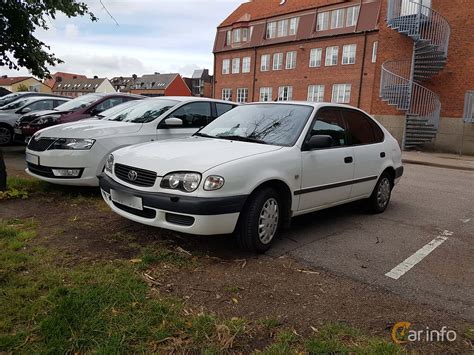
{"x": 187, "y": 214}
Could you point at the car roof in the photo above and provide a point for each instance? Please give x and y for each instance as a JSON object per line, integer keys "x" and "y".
{"x": 192, "y": 98}
{"x": 306, "y": 103}
{"x": 38, "y": 98}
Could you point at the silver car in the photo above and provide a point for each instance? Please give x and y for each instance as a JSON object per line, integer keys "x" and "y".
{"x": 11, "y": 112}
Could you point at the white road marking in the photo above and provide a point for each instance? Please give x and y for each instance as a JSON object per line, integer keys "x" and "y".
{"x": 402, "y": 268}
{"x": 465, "y": 220}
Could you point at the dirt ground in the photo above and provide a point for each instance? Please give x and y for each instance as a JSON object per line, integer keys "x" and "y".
{"x": 226, "y": 281}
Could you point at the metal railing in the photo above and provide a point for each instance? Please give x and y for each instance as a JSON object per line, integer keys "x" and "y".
{"x": 469, "y": 107}
{"x": 420, "y": 21}
{"x": 407, "y": 95}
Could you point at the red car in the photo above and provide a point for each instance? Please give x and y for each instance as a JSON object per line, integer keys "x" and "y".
{"x": 80, "y": 108}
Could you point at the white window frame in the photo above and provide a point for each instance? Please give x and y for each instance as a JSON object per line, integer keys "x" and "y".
{"x": 316, "y": 93}
{"x": 337, "y": 18}
{"x": 341, "y": 93}
{"x": 293, "y": 29}
{"x": 278, "y": 61}
{"x": 235, "y": 65}
{"x": 290, "y": 60}
{"x": 242, "y": 94}
{"x": 352, "y": 15}
{"x": 322, "y": 23}
{"x": 285, "y": 93}
{"x": 246, "y": 62}
{"x": 272, "y": 29}
{"x": 236, "y": 35}
{"x": 266, "y": 94}
{"x": 331, "y": 54}
{"x": 349, "y": 52}
{"x": 315, "y": 57}
{"x": 375, "y": 47}
{"x": 225, "y": 66}
{"x": 265, "y": 64}
{"x": 282, "y": 28}
{"x": 228, "y": 39}
{"x": 245, "y": 35}
{"x": 226, "y": 94}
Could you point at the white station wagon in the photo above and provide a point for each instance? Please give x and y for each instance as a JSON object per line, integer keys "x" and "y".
{"x": 253, "y": 169}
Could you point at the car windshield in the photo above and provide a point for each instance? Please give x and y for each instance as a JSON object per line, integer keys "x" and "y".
{"x": 16, "y": 104}
{"x": 116, "y": 109}
{"x": 78, "y": 102}
{"x": 145, "y": 111}
{"x": 276, "y": 124}
{"x": 9, "y": 98}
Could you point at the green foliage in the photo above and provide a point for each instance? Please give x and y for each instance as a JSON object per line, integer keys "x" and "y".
{"x": 20, "y": 188}
{"x": 18, "y": 21}
{"x": 22, "y": 87}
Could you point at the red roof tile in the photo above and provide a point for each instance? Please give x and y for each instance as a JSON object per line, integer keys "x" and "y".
{"x": 12, "y": 80}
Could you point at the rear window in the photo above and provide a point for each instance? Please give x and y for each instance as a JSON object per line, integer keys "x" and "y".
{"x": 362, "y": 130}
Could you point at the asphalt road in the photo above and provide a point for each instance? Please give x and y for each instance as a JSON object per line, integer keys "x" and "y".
{"x": 429, "y": 203}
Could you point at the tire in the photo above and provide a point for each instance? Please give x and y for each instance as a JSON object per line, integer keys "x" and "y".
{"x": 249, "y": 236}
{"x": 6, "y": 135}
{"x": 380, "y": 197}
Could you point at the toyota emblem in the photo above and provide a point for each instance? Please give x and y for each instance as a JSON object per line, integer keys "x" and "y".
{"x": 132, "y": 175}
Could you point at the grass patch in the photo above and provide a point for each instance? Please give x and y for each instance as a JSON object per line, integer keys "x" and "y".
{"x": 21, "y": 188}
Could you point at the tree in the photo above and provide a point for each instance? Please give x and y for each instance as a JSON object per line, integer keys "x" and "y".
{"x": 18, "y": 21}
{"x": 22, "y": 87}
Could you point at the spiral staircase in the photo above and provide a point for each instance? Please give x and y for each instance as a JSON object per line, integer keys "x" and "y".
{"x": 401, "y": 80}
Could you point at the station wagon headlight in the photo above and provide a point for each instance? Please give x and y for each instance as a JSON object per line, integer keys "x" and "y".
{"x": 181, "y": 180}
{"x": 73, "y": 144}
{"x": 213, "y": 182}
{"x": 109, "y": 163}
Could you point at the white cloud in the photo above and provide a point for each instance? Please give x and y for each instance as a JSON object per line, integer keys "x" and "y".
{"x": 71, "y": 30}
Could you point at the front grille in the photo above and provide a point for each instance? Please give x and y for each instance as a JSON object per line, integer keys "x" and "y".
{"x": 40, "y": 145}
{"x": 40, "y": 170}
{"x": 145, "y": 213}
{"x": 144, "y": 178}
{"x": 179, "y": 219}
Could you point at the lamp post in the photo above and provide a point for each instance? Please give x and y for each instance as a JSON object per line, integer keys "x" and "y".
{"x": 3, "y": 173}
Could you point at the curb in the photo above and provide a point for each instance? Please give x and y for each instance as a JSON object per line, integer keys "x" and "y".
{"x": 438, "y": 165}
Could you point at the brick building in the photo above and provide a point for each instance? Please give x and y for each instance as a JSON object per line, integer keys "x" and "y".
{"x": 160, "y": 85}
{"x": 407, "y": 62}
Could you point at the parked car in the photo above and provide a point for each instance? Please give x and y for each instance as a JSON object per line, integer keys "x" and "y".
{"x": 80, "y": 108}
{"x": 10, "y": 113}
{"x": 9, "y": 98}
{"x": 74, "y": 154}
{"x": 253, "y": 168}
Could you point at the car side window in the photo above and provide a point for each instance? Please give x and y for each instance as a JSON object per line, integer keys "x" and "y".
{"x": 194, "y": 115}
{"x": 109, "y": 103}
{"x": 330, "y": 122}
{"x": 223, "y": 108}
{"x": 41, "y": 105}
{"x": 361, "y": 129}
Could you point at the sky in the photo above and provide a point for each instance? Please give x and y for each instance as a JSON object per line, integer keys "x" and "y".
{"x": 151, "y": 36}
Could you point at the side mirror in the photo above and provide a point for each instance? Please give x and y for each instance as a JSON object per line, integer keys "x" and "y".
{"x": 319, "y": 141}
{"x": 174, "y": 122}
{"x": 26, "y": 110}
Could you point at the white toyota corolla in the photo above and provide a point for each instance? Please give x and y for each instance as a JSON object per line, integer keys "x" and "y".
{"x": 75, "y": 153}
{"x": 253, "y": 168}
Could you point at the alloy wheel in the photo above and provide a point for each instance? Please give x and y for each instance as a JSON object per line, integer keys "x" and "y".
{"x": 383, "y": 193}
{"x": 5, "y": 135}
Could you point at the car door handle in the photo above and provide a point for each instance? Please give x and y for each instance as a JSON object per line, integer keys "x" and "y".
{"x": 348, "y": 160}
{"x": 382, "y": 155}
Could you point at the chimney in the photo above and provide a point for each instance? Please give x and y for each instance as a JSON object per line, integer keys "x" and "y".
{"x": 96, "y": 77}
{"x": 4, "y": 76}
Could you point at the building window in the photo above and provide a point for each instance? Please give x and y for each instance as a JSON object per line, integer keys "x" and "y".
{"x": 337, "y": 18}
{"x": 226, "y": 66}
{"x": 285, "y": 93}
{"x": 352, "y": 15}
{"x": 246, "y": 65}
{"x": 265, "y": 62}
{"x": 374, "y": 51}
{"x": 227, "y": 94}
{"x": 293, "y": 26}
{"x": 315, "y": 57}
{"x": 245, "y": 34}
{"x": 228, "y": 40}
{"x": 316, "y": 93}
{"x": 282, "y": 28}
{"x": 323, "y": 21}
{"x": 266, "y": 94}
{"x": 242, "y": 95}
{"x": 290, "y": 60}
{"x": 278, "y": 61}
{"x": 331, "y": 56}
{"x": 236, "y": 36}
{"x": 235, "y": 66}
{"x": 341, "y": 93}
{"x": 271, "y": 29}
{"x": 349, "y": 54}
{"x": 469, "y": 107}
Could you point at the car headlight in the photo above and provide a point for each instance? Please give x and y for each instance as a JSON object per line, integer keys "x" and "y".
{"x": 109, "y": 163}
{"x": 45, "y": 120}
{"x": 181, "y": 180}
{"x": 73, "y": 144}
{"x": 213, "y": 182}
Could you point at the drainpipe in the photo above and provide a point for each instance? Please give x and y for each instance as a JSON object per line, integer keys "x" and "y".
{"x": 362, "y": 69}
{"x": 214, "y": 79}
{"x": 254, "y": 72}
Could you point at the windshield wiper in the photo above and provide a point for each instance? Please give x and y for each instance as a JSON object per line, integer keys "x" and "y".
{"x": 243, "y": 139}
{"x": 203, "y": 135}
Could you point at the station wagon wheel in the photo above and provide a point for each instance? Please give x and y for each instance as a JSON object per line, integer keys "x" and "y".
{"x": 6, "y": 135}
{"x": 259, "y": 221}
{"x": 380, "y": 197}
